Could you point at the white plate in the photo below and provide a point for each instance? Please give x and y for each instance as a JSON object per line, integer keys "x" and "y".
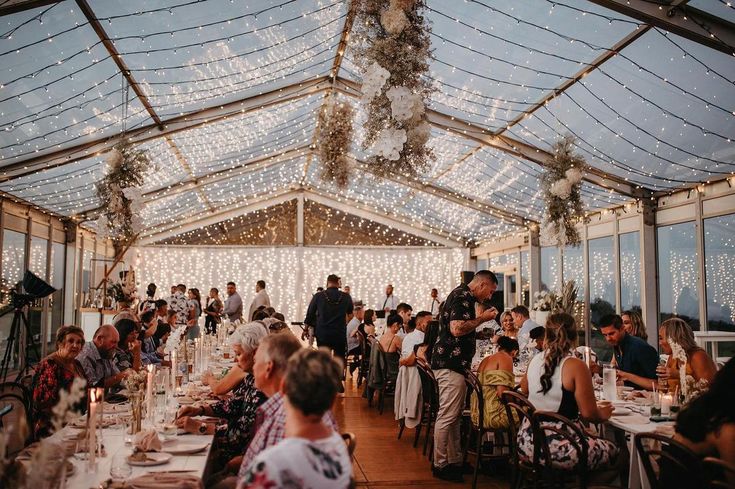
{"x": 185, "y": 448}
{"x": 627, "y": 388}
{"x": 185, "y": 401}
{"x": 154, "y": 458}
{"x": 621, "y": 411}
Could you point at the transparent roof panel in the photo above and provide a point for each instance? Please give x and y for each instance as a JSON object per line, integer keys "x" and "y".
{"x": 175, "y": 209}
{"x": 220, "y": 145}
{"x": 724, "y": 9}
{"x": 187, "y": 57}
{"x": 58, "y": 85}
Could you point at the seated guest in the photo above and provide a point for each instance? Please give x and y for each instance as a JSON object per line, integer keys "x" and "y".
{"x": 411, "y": 342}
{"x": 148, "y": 346}
{"x": 537, "y": 338}
{"x": 404, "y": 311}
{"x": 523, "y": 322}
{"x": 98, "y": 358}
{"x": 636, "y": 360}
{"x": 260, "y": 315}
{"x": 423, "y": 351}
{"x": 507, "y": 327}
{"x": 556, "y": 381}
{"x": 269, "y": 370}
{"x": 633, "y": 324}
{"x": 54, "y": 373}
{"x": 238, "y": 410}
{"x": 125, "y": 311}
{"x": 390, "y": 341}
{"x": 353, "y": 342}
{"x": 707, "y": 424}
{"x": 312, "y": 452}
{"x": 496, "y": 376}
{"x": 163, "y": 331}
{"x": 127, "y": 353}
{"x": 700, "y": 369}
{"x": 161, "y": 311}
{"x": 407, "y": 402}
{"x": 367, "y": 327}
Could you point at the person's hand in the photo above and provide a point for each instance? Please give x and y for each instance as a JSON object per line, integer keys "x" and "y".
{"x": 135, "y": 346}
{"x": 207, "y": 378}
{"x": 188, "y": 424}
{"x": 188, "y": 411}
{"x": 495, "y": 339}
{"x": 488, "y": 314}
{"x": 127, "y": 372}
{"x": 665, "y": 373}
{"x": 233, "y": 465}
{"x": 605, "y": 409}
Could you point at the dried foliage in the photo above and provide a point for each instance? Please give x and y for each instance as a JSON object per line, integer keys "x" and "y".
{"x": 568, "y": 297}
{"x": 333, "y": 144}
{"x": 561, "y": 188}
{"x": 393, "y": 49}
{"x": 120, "y": 193}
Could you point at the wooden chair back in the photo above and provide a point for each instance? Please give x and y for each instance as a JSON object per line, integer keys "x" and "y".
{"x": 668, "y": 463}
{"x": 720, "y": 474}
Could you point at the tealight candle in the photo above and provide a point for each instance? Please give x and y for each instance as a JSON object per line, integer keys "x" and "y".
{"x": 666, "y": 401}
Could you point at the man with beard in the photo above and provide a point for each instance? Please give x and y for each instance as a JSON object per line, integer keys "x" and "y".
{"x": 97, "y": 358}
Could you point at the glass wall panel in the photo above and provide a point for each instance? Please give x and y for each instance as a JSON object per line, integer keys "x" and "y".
{"x": 573, "y": 269}
{"x": 39, "y": 251}
{"x": 481, "y": 264}
{"x": 550, "y": 268}
{"x": 602, "y": 290}
{"x": 499, "y": 261}
{"x": 87, "y": 277}
{"x": 677, "y": 272}
{"x": 719, "y": 257}
{"x": 630, "y": 271}
{"x": 14, "y": 256}
{"x": 56, "y": 300}
{"x": 525, "y": 279}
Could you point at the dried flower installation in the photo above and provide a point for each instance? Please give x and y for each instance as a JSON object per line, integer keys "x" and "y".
{"x": 561, "y": 187}
{"x": 121, "y": 195}
{"x": 333, "y": 144}
{"x": 393, "y": 50}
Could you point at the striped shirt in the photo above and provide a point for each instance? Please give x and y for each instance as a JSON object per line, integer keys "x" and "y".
{"x": 96, "y": 368}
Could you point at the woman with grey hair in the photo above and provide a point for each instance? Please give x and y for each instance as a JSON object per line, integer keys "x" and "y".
{"x": 238, "y": 411}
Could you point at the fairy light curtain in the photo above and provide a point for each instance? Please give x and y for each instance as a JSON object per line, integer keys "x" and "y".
{"x": 293, "y": 274}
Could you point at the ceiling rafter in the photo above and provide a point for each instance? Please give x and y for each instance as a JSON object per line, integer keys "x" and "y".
{"x": 510, "y": 145}
{"x": 198, "y": 118}
{"x": 683, "y": 20}
{"x": 596, "y": 63}
{"x": 16, "y": 6}
{"x": 187, "y": 168}
{"x": 119, "y": 62}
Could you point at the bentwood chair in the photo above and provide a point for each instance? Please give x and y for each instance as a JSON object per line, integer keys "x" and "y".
{"x": 390, "y": 360}
{"x": 720, "y": 474}
{"x": 478, "y": 431}
{"x": 517, "y": 408}
{"x": 668, "y": 463}
{"x": 430, "y": 393}
{"x": 364, "y": 365}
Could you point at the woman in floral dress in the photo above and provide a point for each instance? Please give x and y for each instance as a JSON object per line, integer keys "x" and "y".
{"x": 55, "y": 373}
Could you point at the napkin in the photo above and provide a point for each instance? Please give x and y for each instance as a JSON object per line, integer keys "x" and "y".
{"x": 166, "y": 480}
{"x": 147, "y": 441}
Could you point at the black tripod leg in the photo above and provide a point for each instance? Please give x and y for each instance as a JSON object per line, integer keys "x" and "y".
{"x": 30, "y": 342}
{"x": 12, "y": 338}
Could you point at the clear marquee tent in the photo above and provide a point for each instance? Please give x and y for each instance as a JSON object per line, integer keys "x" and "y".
{"x": 224, "y": 97}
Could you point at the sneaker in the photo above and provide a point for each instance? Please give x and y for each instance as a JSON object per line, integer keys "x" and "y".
{"x": 447, "y": 473}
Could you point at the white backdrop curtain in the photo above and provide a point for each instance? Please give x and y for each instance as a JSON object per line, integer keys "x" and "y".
{"x": 292, "y": 274}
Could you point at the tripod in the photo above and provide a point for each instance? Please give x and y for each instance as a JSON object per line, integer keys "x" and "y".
{"x": 20, "y": 316}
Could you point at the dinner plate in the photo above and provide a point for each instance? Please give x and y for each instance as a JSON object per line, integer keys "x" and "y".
{"x": 621, "y": 411}
{"x": 185, "y": 448}
{"x": 184, "y": 401}
{"x": 152, "y": 458}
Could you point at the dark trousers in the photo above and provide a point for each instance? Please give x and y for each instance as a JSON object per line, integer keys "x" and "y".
{"x": 210, "y": 325}
{"x": 337, "y": 346}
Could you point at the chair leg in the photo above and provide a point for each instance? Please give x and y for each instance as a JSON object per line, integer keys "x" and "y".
{"x": 417, "y": 435}
{"x": 428, "y": 432}
{"x": 400, "y": 431}
{"x": 478, "y": 457}
{"x": 381, "y": 399}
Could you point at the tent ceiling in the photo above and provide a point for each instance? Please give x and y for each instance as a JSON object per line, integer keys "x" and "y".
{"x": 230, "y": 92}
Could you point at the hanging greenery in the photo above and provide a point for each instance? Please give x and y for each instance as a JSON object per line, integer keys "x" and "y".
{"x": 393, "y": 49}
{"x": 561, "y": 187}
{"x": 121, "y": 195}
{"x": 333, "y": 144}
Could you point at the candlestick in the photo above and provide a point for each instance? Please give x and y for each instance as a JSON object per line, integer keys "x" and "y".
{"x": 149, "y": 391}
{"x": 95, "y": 397}
{"x": 666, "y": 400}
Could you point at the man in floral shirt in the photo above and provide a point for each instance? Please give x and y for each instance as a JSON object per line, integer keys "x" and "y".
{"x": 179, "y": 303}
{"x": 451, "y": 357}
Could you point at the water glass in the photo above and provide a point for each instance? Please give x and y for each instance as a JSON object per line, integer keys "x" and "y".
{"x": 120, "y": 469}
{"x": 656, "y": 406}
{"x": 609, "y": 383}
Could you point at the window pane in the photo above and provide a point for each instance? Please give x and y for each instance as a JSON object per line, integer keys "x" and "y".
{"x": 525, "y": 278}
{"x": 39, "y": 248}
{"x": 14, "y": 255}
{"x": 550, "y": 268}
{"x": 602, "y": 290}
{"x": 630, "y": 271}
{"x": 481, "y": 264}
{"x": 56, "y": 300}
{"x": 499, "y": 261}
{"x": 719, "y": 256}
{"x": 573, "y": 269}
{"x": 87, "y": 276}
{"x": 677, "y": 272}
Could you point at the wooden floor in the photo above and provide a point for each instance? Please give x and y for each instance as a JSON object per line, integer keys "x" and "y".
{"x": 383, "y": 461}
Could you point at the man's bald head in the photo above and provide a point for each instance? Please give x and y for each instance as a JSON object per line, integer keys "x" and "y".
{"x": 106, "y": 339}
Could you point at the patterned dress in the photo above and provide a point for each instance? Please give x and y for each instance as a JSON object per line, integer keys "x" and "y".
{"x": 50, "y": 378}
{"x": 232, "y": 438}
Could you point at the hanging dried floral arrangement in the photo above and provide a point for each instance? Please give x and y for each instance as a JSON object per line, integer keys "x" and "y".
{"x": 334, "y": 138}
{"x": 561, "y": 187}
{"x": 393, "y": 49}
{"x": 121, "y": 194}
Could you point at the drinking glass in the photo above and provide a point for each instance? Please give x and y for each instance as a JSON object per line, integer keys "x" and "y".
{"x": 120, "y": 469}
{"x": 656, "y": 406}
{"x": 609, "y": 382}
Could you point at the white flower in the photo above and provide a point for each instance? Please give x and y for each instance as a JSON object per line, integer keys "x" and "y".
{"x": 561, "y": 188}
{"x": 133, "y": 194}
{"x": 394, "y": 21}
{"x": 404, "y": 105}
{"x": 574, "y": 175}
{"x": 103, "y": 229}
{"x": 390, "y": 143}
{"x": 114, "y": 159}
{"x": 420, "y": 134}
{"x": 373, "y": 81}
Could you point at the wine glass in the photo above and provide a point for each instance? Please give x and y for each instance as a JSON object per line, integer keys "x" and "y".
{"x": 120, "y": 469}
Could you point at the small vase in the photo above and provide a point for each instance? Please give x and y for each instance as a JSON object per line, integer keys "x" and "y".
{"x": 541, "y": 317}
{"x": 136, "y": 404}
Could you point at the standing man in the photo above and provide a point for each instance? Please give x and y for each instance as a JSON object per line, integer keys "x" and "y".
{"x": 233, "y": 304}
{"x": 404, "y": 310}
{"x": 434, "y": 304}
{"x": 261, "y": 299}
{"x": 451, "y": 357}
{"x": 389, "y": 302}
{"x": 327, "y": 313}
{"x": 179, "y": 304}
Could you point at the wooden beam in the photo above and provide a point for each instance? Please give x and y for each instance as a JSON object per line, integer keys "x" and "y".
{"x": 115, "y": 55}
{"x": 596, "y": 63}
{"x": 295, "y": 91}
{"x": 15, "y": 6}
{"x": 510, "y": 145}
{"x": 683, "y": 20}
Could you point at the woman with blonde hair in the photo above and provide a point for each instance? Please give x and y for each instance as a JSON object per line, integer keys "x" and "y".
{"x": 633, "y": 324}
{"x": 676, "y": 339}
{"x": 559, "y": 382}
